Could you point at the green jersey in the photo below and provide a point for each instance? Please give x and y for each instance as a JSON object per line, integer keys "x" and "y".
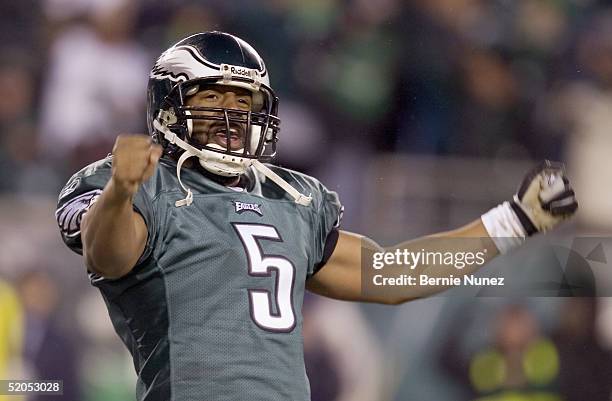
{"x": 212, "y": 310}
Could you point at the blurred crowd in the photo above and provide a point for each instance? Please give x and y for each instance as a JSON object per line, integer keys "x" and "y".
{"x": 487, "y": 78}
{"x": 357, "y": 80}
{"x": 520, "y": 359}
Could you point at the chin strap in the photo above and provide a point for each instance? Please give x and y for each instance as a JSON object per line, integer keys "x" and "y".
{"x": 298, "y": 197}
{"x": 191, "y": 151}
{"x": 189, "y": 198}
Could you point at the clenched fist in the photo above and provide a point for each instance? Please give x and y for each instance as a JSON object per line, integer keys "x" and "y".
{"x": 134, "y": 160}
{"x": 545, "y": 198}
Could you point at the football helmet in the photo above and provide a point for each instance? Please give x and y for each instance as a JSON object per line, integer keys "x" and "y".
{"x": 191, "y": 65}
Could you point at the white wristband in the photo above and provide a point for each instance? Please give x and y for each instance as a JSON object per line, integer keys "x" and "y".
{"x": 504, "y": 227}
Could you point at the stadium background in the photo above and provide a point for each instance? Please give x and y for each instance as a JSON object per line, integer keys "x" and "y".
{"x": 422, "y": 114}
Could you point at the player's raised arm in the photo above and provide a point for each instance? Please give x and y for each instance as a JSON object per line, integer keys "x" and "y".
{"x": 113, "y": 234}
{"x": 543, "y": 200}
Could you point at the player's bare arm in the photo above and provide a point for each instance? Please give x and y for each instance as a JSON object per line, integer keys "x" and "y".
{"x": 544, "y": 199}
{"x": 340, "y": 278}
{"x": 114, "y": 235}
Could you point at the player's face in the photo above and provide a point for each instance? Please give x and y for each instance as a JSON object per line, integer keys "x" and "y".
{"x": 213, "y": 132}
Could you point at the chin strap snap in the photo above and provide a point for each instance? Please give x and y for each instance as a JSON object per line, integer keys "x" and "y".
{"x": 191, "y": 151}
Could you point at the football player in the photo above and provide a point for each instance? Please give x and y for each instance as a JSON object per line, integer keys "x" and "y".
{"x": 202, "y": 252}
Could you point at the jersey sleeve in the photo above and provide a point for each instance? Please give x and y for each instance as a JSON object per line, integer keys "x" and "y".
{"x": 82, "y": 191}
{"x": 329, "y": 216}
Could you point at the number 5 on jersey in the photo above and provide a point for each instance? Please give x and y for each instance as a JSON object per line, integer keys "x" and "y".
{"x": 260, "y": 265}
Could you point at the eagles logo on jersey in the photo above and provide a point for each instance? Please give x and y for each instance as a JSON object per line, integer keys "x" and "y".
{"x": 69, "y": 216}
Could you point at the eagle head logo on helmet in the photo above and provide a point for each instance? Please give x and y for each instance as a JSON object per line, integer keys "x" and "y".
{"x": 212, "y": 58}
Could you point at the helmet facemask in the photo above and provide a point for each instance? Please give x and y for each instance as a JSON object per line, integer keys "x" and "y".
{"x": 240, "y": 137}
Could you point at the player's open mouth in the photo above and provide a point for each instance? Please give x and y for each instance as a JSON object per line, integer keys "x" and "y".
{"x": 217, "y": 135}
{"x": 236, "y": 137}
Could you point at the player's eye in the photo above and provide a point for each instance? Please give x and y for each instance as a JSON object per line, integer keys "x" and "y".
{"x": 244, "y": 102}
